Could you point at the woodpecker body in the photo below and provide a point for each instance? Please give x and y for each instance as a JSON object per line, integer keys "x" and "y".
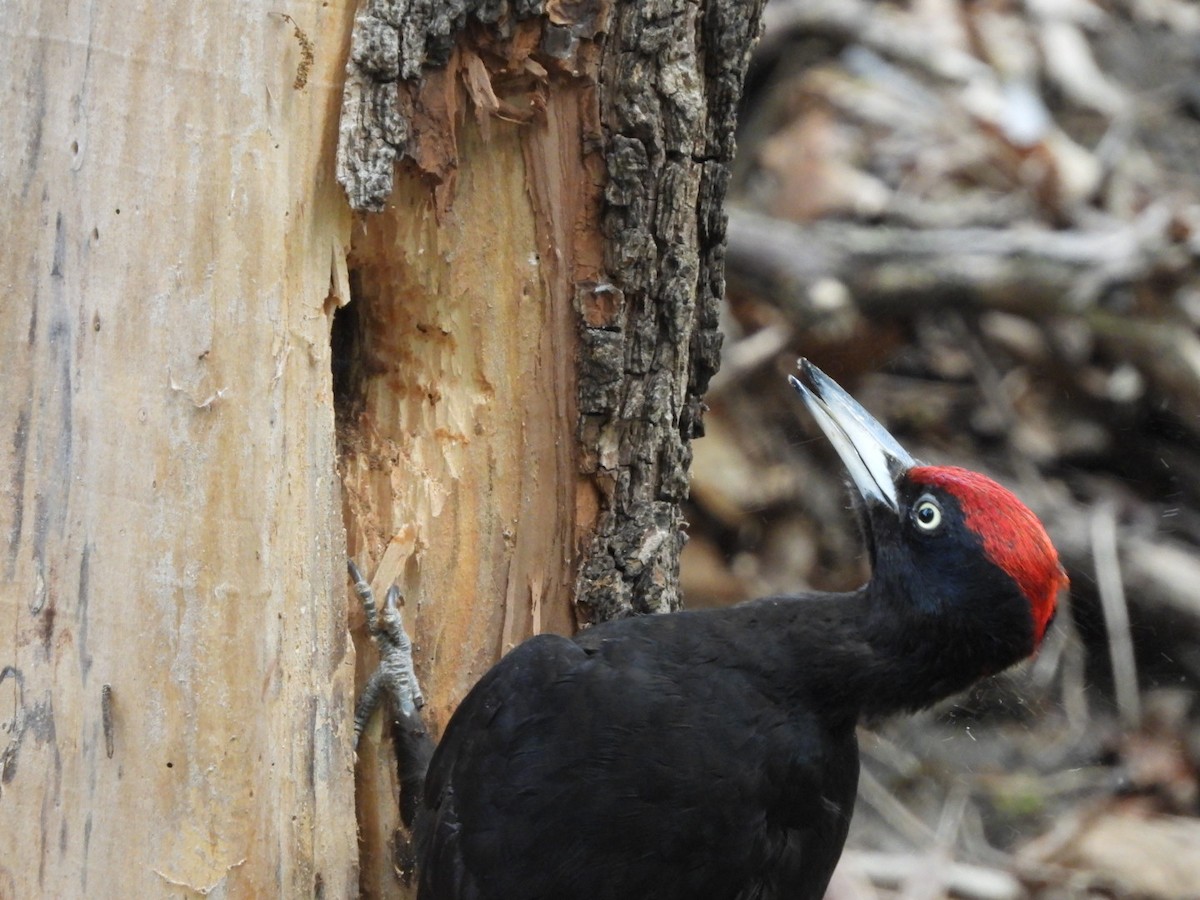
{"x": 712, "y": 754}
{"x": 641, "y": 771}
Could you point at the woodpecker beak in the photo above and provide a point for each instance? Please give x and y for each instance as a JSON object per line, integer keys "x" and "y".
{"x": 872, "y": 456}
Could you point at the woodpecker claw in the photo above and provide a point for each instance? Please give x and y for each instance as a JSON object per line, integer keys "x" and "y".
{"x": 395, "y": 677}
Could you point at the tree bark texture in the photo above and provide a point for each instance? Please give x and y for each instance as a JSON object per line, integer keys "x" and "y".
{"x": 175, "y": 671}
{"x": 536, "y": 275}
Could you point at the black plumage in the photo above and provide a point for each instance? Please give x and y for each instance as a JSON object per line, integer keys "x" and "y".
{"x": 712, "y": 754}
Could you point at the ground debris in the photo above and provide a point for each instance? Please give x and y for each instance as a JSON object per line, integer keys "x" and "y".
{"x": 983, "y": 219}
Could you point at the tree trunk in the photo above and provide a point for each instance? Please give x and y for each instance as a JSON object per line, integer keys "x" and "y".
{"x": 534, "y": 322}
{"x": 175, "y": 674}
{"x": 516, "y": 386}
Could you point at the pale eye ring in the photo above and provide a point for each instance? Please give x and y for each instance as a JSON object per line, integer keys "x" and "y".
{"x": 927, "y": 514}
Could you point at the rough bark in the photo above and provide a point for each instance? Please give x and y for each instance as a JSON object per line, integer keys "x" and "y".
{"x": 671, "y": 76}
{"x": 175, "y": 675}
{"x": 537, "y": 319}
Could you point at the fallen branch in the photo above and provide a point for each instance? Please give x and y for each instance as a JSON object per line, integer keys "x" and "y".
{"x": 898, "y": 271}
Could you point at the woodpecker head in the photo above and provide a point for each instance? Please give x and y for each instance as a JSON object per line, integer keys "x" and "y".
{"x": 949, "y": 545}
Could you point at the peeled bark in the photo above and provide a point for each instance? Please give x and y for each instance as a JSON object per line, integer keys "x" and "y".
{"x": 536, "y": 322}
{"x": 517, "y": 382}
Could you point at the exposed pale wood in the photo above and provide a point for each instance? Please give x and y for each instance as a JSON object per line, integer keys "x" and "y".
{"x": 536, "y": 322}
{"x": 459, "y": 471}
{"x": 460, "y": 468}
{"x": 170, "y": 519}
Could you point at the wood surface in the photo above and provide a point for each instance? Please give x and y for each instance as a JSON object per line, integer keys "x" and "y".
{"x": 171, "y": 536}
{"x": 216, "y": 380}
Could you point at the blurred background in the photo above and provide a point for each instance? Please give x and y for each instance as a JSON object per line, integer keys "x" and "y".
{"x": 982, "y": 217}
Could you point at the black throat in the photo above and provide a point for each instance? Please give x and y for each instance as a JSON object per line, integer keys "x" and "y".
{"x": 878, "y": 650}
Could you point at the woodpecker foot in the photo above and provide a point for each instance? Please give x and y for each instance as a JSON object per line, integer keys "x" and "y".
{"x": 395, "y": 678}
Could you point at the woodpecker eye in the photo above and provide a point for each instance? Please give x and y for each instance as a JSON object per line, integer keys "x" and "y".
{"x": 927, "y": 514}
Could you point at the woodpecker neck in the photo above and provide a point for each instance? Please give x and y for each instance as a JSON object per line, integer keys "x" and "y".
{"x": 919, "y": 657}
{"x": 875, "y": 651}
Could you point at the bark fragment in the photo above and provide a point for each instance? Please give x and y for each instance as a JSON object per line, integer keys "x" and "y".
{"x": 666, "y": 84}
{"x": 672, "y": 81}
